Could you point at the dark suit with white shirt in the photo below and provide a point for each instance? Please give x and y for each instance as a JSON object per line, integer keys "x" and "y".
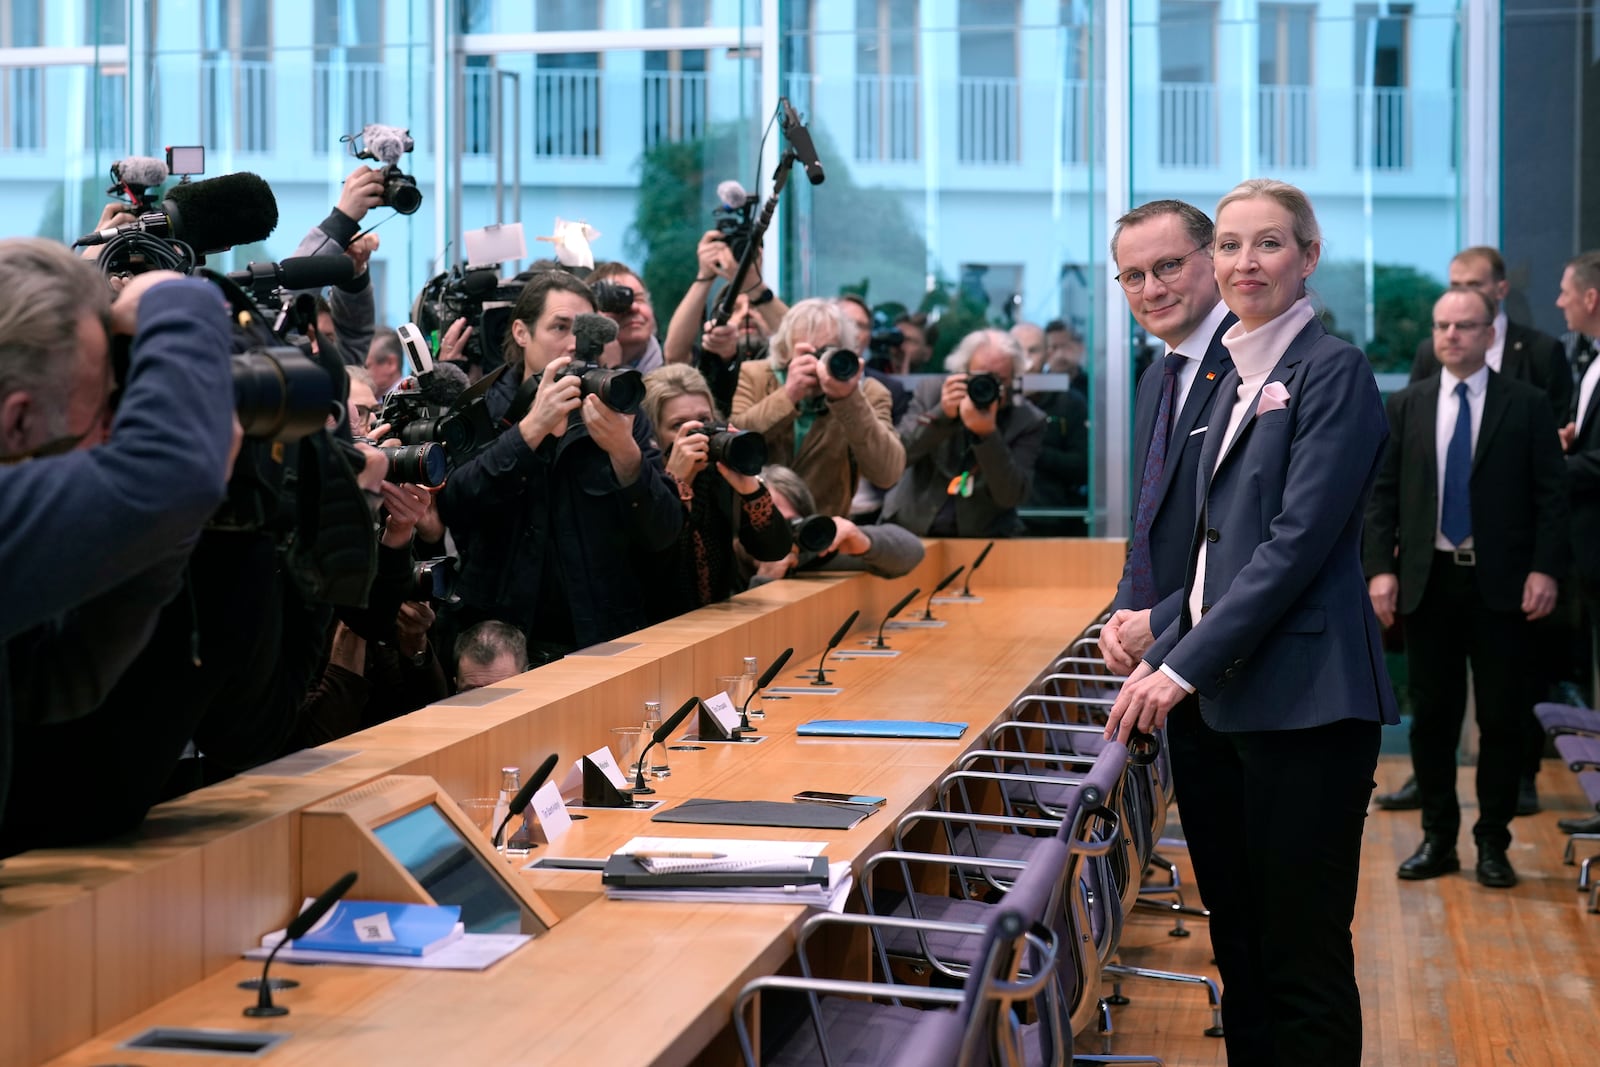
{"x": 1273, "y": 756}
{"x": 1173, "y": 525}
{"x": 1467, "y": 605}
{"x": 1528, "y": 356}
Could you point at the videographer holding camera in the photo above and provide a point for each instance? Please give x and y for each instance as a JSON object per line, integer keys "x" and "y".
{"x": 716, "y": 351}
{"x": 555, "y": 519}
{"x": 100, "y": 511}
{"x": 817, "y": 412}
{"x": 971, "y": 444}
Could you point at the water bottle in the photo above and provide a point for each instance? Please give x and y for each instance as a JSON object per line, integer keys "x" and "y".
{"x": 510, "y": 784}
{"x": 658, "y": 756}
{"x": 752, "y": 673}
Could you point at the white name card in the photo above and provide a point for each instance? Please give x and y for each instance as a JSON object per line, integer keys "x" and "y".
{"x": 602, "y": 758}
{"x": 551, "y": 819}
{"x": 723, "y": 708}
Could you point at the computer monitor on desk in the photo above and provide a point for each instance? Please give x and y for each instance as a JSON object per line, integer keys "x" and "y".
{"x": 411, "y": 843}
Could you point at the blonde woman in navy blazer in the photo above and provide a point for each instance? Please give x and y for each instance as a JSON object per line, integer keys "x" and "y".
{"x": 1271, "y": 682}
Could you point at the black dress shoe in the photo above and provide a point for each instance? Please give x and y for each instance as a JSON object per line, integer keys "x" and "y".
{"x": 1527, "y": 797}
{"x": 1435, "y": 856}
{"x": 1407, "y": 798}
{"x": 1494, "y": 870}
{"x": 1580, "y": 824}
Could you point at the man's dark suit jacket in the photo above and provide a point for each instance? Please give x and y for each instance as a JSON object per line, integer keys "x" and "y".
{"x": 1519, "y": 502}
{"x": 1529, "y": 356}
{"x": 1583, "y": 488}
{"x": 1173, "y": 527}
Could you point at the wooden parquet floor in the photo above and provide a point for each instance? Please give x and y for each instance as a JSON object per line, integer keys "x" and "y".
{"x": 1451, "y": 973}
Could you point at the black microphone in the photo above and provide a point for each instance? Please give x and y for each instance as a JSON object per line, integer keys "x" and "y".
{"x": 593, "y": 332}
{"x": 799, "y": 139}
{"x": 927, "y": 611}
{"x": 822, "y": 676}
{"x": 263, "y": 1007}
{"x": 899, "y": 607}
{"x": 296, "y": 272}
{"x": 766, "y": 678}
{"x": 208, "y": 216}
{"x": 966, "y": 586}
{"x": 519, "y": 803}
{"x": 659, "y": 736}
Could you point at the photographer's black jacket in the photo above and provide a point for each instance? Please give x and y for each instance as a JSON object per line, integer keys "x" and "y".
{"x": 511, "y": 506}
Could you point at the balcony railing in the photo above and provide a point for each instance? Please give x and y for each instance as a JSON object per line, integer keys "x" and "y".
{"x": 1188, "y": 117}
{"x": 566, "y": 114}
{"x": 988, "y": 119}
{"x": 887, "y": 118}
{"x": 22, "y": 103}
{"x": 344, "y": 98}
{"x": 1386, "y": 143}
{"x": 675, "y": 106}
{"x": 236, "y": 104}
{"x": 1286, "y": 129}
{"x": 1083, "y": 126}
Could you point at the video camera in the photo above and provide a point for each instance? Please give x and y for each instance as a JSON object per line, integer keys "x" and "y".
{"x": 473, "y": 293}
{"x": 386, "y": 144}
{"x": 735, "y": 217}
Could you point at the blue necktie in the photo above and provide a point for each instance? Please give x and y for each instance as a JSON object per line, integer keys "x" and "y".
{"x": 1141, "y": 574}
{"x": 1455, "y": 518}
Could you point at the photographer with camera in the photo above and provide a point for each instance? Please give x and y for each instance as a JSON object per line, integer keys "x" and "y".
{"x": 351, "y": 305}
{"x": 717, "y": 471}
{"x": 556, "y": 518}
{"x": 818, "y": 412}
{"x": 971, "y": 444}
{"x": 620, "y": 296}
{"x": 718, "y": 351}
{"x": 101, "y": 510}
{"x": 830, "y": 542}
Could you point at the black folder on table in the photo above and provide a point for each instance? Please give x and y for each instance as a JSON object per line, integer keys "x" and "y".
{"x": 784, "y": 813}
{"x": 627, "y": 871}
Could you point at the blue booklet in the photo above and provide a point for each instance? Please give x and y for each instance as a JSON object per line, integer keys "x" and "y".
{"x": 912, "y": 728}
{"x": 384, "y": 928}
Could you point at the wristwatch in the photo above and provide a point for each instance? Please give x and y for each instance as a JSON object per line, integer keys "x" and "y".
{"x": 421, "y": 658}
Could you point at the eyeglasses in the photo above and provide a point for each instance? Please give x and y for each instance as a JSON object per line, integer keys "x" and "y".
{"x": 1167, "y": 270}
{"x": 1458, "y": 327}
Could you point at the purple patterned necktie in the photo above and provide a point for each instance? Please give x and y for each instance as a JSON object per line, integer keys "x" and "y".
{"x": 1140, "y": 567}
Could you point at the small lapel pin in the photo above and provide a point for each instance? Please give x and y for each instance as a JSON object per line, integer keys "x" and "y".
{"x": 1211, "y": 375}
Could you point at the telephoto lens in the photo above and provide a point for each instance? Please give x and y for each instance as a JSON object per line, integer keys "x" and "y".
{"x": 279, "y": 394}
{"x": 743, "y": 450}
{"x": 425, "y": 465}
{"x": 814, "y": 533}
{"x": 983, "y": 389}
{"x": 842, "y": 363}
{"x": 619, "y": 388}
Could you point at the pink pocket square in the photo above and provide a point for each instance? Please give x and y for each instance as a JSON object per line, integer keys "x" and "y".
{"x": 1274, "y": 397}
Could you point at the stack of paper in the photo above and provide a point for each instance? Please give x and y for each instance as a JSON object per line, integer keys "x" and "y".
{"x": 707, "y": 870}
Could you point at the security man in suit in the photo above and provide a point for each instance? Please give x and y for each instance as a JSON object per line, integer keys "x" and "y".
{"x": 1471, "y": 493}
{"x": 1163, "y": 254}
{"x": 1525, "y": 354}
{"x": 1579, "y": 301}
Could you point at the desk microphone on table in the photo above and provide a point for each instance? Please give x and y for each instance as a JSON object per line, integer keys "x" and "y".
{"x": 966, "y": 586}
{"x": 765, "y": 680}
{"x": 519, "y": 803}
{"x": 927, "y": 611}
{"x": 897, "y": 609}
{"x": 263, "y": 1007}
{"x": 833, "y": 642}
{"x": 657, "y": 736}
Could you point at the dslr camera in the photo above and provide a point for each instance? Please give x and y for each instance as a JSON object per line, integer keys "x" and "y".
{"x": 611, "y": 298}
{"x": 386, "y": 144}
{"x": 842, "y": 363}
{"x": 743, "y": 450}
{"x": 619, "y": 388}
{"x": 983, "y": 389}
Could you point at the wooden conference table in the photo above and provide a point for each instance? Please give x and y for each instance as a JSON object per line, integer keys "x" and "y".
{"x": 97, "y": 945}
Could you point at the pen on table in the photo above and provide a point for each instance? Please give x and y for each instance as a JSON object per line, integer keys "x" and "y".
{"x": 679, "y": 855}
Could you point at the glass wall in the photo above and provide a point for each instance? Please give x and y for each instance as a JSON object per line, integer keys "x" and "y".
{"x": 966, "y": 144}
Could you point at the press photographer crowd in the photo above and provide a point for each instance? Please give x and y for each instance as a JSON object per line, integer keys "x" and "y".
{"x": 245, "y": 518}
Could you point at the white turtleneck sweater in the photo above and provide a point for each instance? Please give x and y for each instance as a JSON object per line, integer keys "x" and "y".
{"x": 1255, "y": 353}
